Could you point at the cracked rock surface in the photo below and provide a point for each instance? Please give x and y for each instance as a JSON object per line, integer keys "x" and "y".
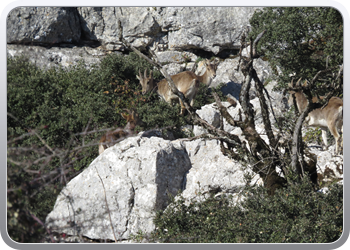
{"x": 137, "y": 175}
{"x": 212, "y": 29}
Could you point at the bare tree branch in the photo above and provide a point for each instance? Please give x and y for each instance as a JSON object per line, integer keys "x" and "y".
{"x": 254, "y": 50}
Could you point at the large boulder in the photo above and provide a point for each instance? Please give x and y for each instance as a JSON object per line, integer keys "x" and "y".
{"x": 124, "y": 186}
{"x": 132, "y": 180}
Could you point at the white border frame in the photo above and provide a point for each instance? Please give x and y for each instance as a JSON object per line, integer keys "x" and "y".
{"x": 8, "y": 5}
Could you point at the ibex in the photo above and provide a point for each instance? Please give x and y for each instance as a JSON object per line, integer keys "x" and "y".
{"x": 186, "y": 82}
{"x": 112, "y": 137}
{"x": 330, "y": 117}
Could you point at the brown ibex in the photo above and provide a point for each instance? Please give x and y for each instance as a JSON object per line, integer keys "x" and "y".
{"x": 186, "y": 82}
{"x": 112, "y": 137}
{"x": 329, "y": 117}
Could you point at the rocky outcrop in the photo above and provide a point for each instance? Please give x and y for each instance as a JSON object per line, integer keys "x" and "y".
{"x": 212, "y": 29}
{"x": 124, "y": 186}
{"x": 137, "y": 176}
{"x": 179, "y": 35}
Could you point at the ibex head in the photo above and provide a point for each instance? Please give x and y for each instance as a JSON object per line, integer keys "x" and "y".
{"x": 112, "y": 137}
{"x": 296, "y": 93}
{"x": 211, "y": 67}
{"x": 147, "y": 82}
{"x": 132, "y": 119}
{"x": 210, "y": 72}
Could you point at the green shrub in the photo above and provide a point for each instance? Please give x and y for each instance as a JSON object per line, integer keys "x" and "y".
{"x": 205, "y": 97}
{"x": 296, "y": 214}
{"x": 313, "y": 135}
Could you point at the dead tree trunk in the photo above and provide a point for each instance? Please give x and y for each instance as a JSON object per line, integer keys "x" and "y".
{"x": 264, "y": 157}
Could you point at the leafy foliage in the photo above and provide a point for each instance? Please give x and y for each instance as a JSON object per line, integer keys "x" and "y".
{"x": 294, "y": 214}
{"x": 299, "y": 40}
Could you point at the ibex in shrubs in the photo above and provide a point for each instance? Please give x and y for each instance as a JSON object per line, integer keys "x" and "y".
{"x": 186, "y": 82}
{"x": 330, "y": 117}
{"x": 112, "y": 137}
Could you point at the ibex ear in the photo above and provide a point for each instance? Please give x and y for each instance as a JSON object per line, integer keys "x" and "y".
{"x": 305, "y": 83}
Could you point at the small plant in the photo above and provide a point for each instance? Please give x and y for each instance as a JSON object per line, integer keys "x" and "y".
{"x": 204, "y": 96}
{"x": 313, "y": 135}
{"x": 186, "y": 58}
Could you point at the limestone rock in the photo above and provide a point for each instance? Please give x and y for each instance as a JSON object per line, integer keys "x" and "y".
{"x": 329, "y": 166}
{"x": 138, "y": 174}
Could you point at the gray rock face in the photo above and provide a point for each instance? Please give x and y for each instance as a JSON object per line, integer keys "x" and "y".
{"x": 213, "y": 172}
{"x": 100, "y": 24}
{"x": 138, "y": 174}
{"x": 212, "y": 29}
{"x": 43, "y": 25}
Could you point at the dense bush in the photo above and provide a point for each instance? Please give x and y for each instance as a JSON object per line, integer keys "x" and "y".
{"x": 300, "y": 41}
{"x": 296, "y": 214}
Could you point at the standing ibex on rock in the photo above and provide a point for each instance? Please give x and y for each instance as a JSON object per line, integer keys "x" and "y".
{"x": 329, "y": 117}
{"x": 112, "y": 137}
{"x": 186, "y": 82}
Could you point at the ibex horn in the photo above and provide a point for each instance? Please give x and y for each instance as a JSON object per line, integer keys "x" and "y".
{"x": 298, "y": 82}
